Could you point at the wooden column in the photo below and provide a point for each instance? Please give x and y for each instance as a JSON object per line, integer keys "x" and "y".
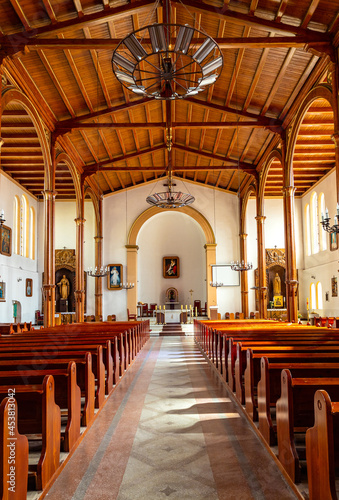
{"x": 291, "y": 270}
{"x": 211, "y": 291}
{"x": 261, "y": 266}
{"x": 79, "y": 292}
{"x": 132, "y": 277}
{"x": 98, "y": 261}
{"x": 98, "y": 281}
{"x": 48, "y": 286}
{"x": 243, "y": 275}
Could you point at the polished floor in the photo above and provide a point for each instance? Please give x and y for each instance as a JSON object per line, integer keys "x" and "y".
{"x": 169, "y": 430}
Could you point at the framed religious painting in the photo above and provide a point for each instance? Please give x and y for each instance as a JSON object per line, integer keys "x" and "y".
{"x": 114, "y": 276}
{"x": 29, "y": 287}
{"x": 171, "y": 267}
{"x": 333, "y": 241}
{"x": 5, "y": 240}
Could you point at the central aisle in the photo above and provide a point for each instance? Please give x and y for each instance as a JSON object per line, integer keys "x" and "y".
{"x": 170, "y": 431}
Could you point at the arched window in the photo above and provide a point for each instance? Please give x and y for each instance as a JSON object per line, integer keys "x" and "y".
{"x": 16, "y": 225}
{"x": 31, "y": 233}
{"x": 314, "y": 223}
{"x": 323, "y": 234}
{"x": 307, "y": 229}
{"x": 319, "y": 295}
{"x": 24, "y": 226}
{"x": 313, "y": 303}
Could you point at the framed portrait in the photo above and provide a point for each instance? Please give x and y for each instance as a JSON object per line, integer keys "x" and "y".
{"x": 114, "y": 276}
{"x": 334, "y": 284}
{"x": 29, "y": 287}
{"x": 333, "y": 241}
{"x": 171, "y": 267}
{"x": 5, "y": 240}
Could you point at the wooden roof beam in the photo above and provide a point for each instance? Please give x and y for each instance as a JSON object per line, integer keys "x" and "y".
{"x": 247, "y": 19}
{"x": 265, "y": 121}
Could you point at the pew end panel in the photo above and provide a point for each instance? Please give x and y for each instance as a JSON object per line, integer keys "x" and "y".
{"x": 12, "y": 443}
{"x": 322, "y": 448}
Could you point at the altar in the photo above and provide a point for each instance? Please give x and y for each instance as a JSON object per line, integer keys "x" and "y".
{"x": 172, "y": 315}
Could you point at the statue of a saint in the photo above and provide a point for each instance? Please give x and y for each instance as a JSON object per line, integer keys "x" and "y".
{"x": 64, "y": 287}
{"x": 276, "y": 285}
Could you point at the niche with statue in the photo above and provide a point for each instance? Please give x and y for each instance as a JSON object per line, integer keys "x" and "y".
{"x": 275, "y": 274}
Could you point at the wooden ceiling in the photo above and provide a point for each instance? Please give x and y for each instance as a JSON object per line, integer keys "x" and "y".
{"x": 59, "y": 53}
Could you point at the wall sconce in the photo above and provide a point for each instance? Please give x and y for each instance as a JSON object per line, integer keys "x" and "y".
{"x": 19, "y": 279}
{"x": 2, "y": 217}
{"x": 313, "y": 277}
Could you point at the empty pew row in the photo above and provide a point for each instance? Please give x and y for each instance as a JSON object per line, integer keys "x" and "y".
{"x": 83, "y": 363}
{"x": 277, "y": 374}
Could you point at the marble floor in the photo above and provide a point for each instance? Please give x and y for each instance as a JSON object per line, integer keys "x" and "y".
{"x": 169, "y": 430}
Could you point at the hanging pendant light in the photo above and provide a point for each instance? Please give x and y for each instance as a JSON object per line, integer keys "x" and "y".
{"x": 167, "y": 61}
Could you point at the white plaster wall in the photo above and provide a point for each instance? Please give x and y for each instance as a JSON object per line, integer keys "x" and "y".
{"x": 171, "y": 234}
{"x": 65, "y": 236}
{"x": 274, "y": 235}
{"x": 323, "y": 265}
{"x": 208, "y": 203}
{"x": 16, "y": 267}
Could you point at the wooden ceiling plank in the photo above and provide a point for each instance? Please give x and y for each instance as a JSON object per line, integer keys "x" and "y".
{"x": 281, "y": 10}
{"x": 311, "y": 9}
{"x": 203, "y": 130}
{"x": 56, "y": 83}
{"x": 231, "y": 180}
{"x": 100, "y": 75}
{"x": 95, "y": 18}
{"x": 242, "y": 19}
{"x": 219, "y": 178}
{"x": 120, "y": 180}
{"x": 278, "y": 80}
{"x": 234, "y": 164}
{"x": 78, "y": 78}
{"x": 21, "y": 15}
{"x": 253, "y": 6}
{"x": 256, "y": 77}
{"x": 78, "y": 6}
{"x": 236, "y": 69}
{"x": 50, "y": 11}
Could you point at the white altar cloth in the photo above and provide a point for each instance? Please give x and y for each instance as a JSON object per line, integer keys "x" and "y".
{"x": 172, "y": 315}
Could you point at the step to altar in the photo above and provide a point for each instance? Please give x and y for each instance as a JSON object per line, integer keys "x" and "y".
{"x": 172, "y": 329}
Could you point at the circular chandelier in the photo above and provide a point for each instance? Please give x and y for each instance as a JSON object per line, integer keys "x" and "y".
{"x": 170, "y": 199}
{"x": 167, "y": 61}
{"x": 241, "y": 266}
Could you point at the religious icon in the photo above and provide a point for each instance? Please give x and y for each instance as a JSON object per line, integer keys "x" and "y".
{"x": 334, "y": 283}
{"x": 5, "y": 240}
{"x": 171, "y": 267}
{"x": 29, "y": 287}
{"x": 114, "y": 276}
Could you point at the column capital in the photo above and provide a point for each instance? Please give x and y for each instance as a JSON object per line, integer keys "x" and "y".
{"x": 243, "y": 236}
{"x": 132, "y": 247}
{"x": 49, "y": 194}
{"x": 79, "y": 221}
{"x": 97, "y": 239}
{"x": 335, "y": 139}
{"x": 260, "y": 218}
{"x": 288, "y": 191}
{"x": 209, "y": 246}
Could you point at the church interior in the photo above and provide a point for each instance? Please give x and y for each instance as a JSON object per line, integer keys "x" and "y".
{"x": 169, "y": 163}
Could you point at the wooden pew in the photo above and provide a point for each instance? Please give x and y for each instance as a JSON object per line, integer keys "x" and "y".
{"x": 85, "y": 377}
{"x": 253, "y": 372}
{"x": 67, "y": 394}
{"x": 39, "y": 415}
{"x": 322, "y": 448}
{"x": 67, "y": 353}
{"x": 295, "y": 413}
{"x": 14, "y": 453}
{"x": 269, "y": 386}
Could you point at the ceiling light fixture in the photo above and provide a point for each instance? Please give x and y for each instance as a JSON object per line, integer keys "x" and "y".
{"x": 170, "y": 198}
{"x": 167, "y": 61}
